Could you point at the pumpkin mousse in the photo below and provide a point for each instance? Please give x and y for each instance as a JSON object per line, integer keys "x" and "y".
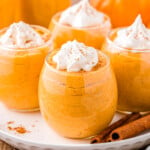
{"x": 129, "y": 50}
{"x": 77, "y": 90}
{"x": 80, "y": 22}
{"x": 22, "y": 51}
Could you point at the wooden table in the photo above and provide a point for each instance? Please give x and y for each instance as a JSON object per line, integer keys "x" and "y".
{"x": 4, "y": 146}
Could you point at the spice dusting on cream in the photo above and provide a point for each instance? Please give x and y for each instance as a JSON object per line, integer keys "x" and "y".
{"x": 21, "y": 35}
{"x": 82, "y": 15}
{"x": 74, "y": 56}
{"x": 136, "y": 36}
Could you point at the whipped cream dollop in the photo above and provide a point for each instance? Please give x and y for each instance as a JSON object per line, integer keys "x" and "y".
{"x": 136, "y": 36}
{"x": 82, "y": 15}
{"x": 74, "y": 56}
{"x": 21, "y": 35}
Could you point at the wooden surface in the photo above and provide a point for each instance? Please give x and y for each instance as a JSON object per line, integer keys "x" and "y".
{"x": 4, "y": 146}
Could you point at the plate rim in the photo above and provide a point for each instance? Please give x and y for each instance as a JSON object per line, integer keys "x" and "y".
{"x": 29, "y": 142}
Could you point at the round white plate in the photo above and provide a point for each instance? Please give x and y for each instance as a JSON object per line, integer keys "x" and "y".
{"x": 41, "y": 137}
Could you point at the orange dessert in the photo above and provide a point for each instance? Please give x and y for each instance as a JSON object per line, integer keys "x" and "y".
{"x": 77, "y": 91}
{"x": 129, "y": 51}
{"x": 22, "y": 52}
{"x": 80, "y": 22}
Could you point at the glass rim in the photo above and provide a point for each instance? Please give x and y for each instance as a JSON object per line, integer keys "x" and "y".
{"x": 55, "y": 21}
{"x": 28, "y": 49}
{"x": 123, "y": 49}
{"x": 62, "y": 72}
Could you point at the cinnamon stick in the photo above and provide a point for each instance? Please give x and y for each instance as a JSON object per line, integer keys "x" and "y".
{"x": 103, "y": 135}
{"x": 133, "y": 117}
{"x": 130, "y": 129}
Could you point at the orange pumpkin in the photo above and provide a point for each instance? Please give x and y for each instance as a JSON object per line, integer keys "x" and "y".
{"x": 123, "y": 12}
{"x": 31, "y": 11}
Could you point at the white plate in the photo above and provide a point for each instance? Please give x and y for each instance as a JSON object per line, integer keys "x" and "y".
{"x": 41, "y": 137}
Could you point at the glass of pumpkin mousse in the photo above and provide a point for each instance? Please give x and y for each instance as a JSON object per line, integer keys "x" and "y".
{"x": 23, "y": 49}
{"x": 77, "y": 90}
{"x": 80, "y": 22}
{"x": 129, "y": 51}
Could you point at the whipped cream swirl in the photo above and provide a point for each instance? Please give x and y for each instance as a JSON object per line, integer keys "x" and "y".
{"x": 83, "y": 15}
{"x": 74, "y": 56}
{"x": 136, "y": 36}
{"x": 21, "y": 35}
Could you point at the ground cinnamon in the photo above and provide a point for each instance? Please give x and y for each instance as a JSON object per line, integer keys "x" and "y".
{"x": 10, "y": 122}
{"x": 131, "y": 129}
{"x": 103, "y": 135}
{"x": 19, "y": 129}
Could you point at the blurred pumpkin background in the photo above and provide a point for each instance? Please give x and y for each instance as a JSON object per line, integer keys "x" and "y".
{"x": 121, "y": 12}
{"x": 124, "y": 12}
{"x": 30, "y": 11}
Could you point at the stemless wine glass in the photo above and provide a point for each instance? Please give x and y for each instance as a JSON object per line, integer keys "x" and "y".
{"x": 81, "y": 104}
{"x": 19, "y": 73}
{"x": 132, "y": 69}
{"x": 91, "y": 36}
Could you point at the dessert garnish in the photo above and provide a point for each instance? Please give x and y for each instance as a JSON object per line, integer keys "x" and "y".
{"x": 131, "y": 129}
{"x": 18, "y": 129}
{"x": 136, "y": 36}
{"x": 129, "y": 126}
{"x": 74, "y": 56}
{"x": 21, "y": 35}
{"x": 83, "y": 15}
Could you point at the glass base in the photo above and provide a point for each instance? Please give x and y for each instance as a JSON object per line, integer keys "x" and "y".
{"x": 128, "y": 112}
{"x": 25, "y": 110}
{"x": 21, "y": 110}
{"x": 86, "y": 138}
